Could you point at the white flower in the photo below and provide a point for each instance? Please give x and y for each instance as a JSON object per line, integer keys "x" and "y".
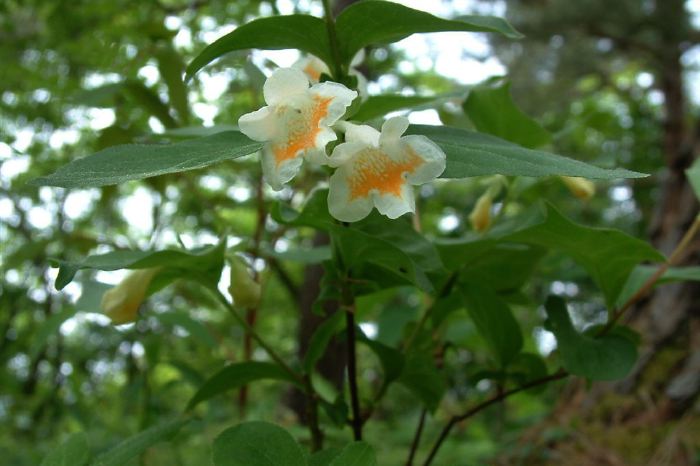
{"x": 378, "y": 170}
{"x": 296, "y": 123}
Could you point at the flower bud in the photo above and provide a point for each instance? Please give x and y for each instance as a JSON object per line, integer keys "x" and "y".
{"x": 580, "y": 187}
{"x": 480, "y": 217}
{"x": 121, "y": 303}
{"x": 244, "y": 290}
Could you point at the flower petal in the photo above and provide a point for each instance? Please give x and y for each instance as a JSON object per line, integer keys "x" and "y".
{"x": 394, "y": 206}
{"x": 342, "y": 153}
{"x": 313, "y": 66}
{"x": 283, "y": 84}
{"x": 392, "y": 129}
{"x": 261, "y": 125}
{"x": 340, "y": 203}
{"x": 363, "y": 134}
{"x": 341, "y": 97}
{"x": 276, "y": 174}
{"x": 433, "y": 159}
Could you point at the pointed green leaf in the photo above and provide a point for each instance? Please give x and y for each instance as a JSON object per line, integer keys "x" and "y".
{"x": 75, "y": 451}
{"x": 693, "y": 174}
{"x": 320, "y": 339}
{"x": 139, "y": 443}
{"x": 257, "y": 444}
{"x": 119, "y": 164}
{"x": 475, "y": 154}
{"x": 642, "y": 273}
{"x": 609, "y": 357}
{"x": 608, "y": 255}
{"x": 379, "y": 22}
{"x": 303, "y": 32}
{"x": 235, "y": 376}
{"x": 492, "y": 110}
{"x": 355, "y": 454}
{"x": 206, "y": 261}
{"x": 494, "y": 321}
{"x": 423, "y": 379}
{"x": 377, "y": 106}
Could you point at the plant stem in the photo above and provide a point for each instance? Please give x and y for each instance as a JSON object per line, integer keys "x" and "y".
{"x": 560, "y": 374}
{"x": 446, "y": 289}
{"x": 333, "y": 39}
{"x": 416, "y": 437}
{"x": 312, "y": 416}
{"x": 651, "y": 281}
{"x": 263, "y": 344}
{"x": 352, "y": 373}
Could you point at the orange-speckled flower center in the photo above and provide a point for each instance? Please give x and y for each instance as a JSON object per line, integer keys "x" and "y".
{"x": 302, "y": 128}
{"x": 374, "y": 169}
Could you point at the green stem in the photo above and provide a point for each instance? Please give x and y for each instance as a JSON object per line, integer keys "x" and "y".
{"x": 263, "y": 344}
{"x": 338, "y": 74}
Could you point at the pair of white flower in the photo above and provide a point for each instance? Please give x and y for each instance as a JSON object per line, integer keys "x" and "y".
{"x": 372, "y": 168}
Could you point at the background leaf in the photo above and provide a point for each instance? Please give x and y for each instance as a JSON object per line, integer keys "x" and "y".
{"x": 492, "y": 110}
{"x": 378, "y": 22}
{"x": 302, "y": 32}
{"x": 609, "y": 357}
{"x": 134, "y": 446}
{"x": 236, "y": 375}
{"x": 355, "y": 454}
{"x": 138, "y": 161}
{"x": 257, "y": 444}
{"x": 75, "y": 451}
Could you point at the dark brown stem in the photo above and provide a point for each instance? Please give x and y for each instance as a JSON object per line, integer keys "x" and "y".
{"x": 312, "y": 416}
{"x": 352, "y": 374}
{"x": 560, "y": 374}
{"x": 416, "y": 437}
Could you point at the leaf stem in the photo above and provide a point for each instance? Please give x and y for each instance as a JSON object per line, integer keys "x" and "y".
{"x": 263, "y": 344}
{"x": 416, "y": 437}
{"x": 352, "y": 372}
{"x": 454, "y": 420}
{"x": 651, "y": 281}
{"x": 446, "y": 289}
{"x": 333, "y": 39}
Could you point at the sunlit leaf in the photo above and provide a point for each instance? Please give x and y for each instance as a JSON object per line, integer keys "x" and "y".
{"x": 119, "y": 164}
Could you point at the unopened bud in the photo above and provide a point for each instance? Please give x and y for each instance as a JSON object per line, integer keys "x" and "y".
{"x": 244, "y": 290}
{"x": 121, "y": 303}
{"x": 580, "y": 187}
{"x": 480, "y": 217}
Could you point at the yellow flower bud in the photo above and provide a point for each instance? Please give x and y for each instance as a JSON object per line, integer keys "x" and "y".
{"x": 121, "y": 303}
{"x": 480, "y": 217}
{"x": 580, "y": 187}
{"x": 244, "y": 290}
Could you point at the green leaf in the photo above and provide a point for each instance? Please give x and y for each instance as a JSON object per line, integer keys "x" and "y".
{"x": 119, "y": 164}
{"x": 257, "y": 444}
{"x": 204, "y": 264}
{"x": 476, "y": 154}
{"x": 324, "y": 457}
{"x": 608, "y": 255}
{"x": 494, "y": 321}
{"x": 493, "y": 111}
{"x": 377, "y": 106}
{"x": 303, "y": 32}
{"x": 391, "y": 359}
{"x": 139, "y": 443}
{"x": 355, "y": 454}
{"x": 48, "y": 328}
{"x": 75, "y": 451}
{"x": 236, "y": 375}
{"x": 527, "y": 367}
{"x": 642, "y": 273}
{"x": 609, "y": 357}
{"x": 320, "y": 339}
{"x": 195, "y": 328}
{"x": 693, "y": 174}
{"x": 376, "y": 245}
{"x": 171, "y": 68}
{"x": 423, "y": 379}
{"x": 314, "y": 255}
{"x": 379, "y": 22}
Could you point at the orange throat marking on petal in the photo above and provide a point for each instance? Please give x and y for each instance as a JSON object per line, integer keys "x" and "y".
{"x": 375, "y": 170}
{"x": 312, "y": 72}
{"x": 303, "y": 129}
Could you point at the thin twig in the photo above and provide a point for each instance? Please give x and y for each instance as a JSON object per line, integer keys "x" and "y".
{"x": 416, "y": 437}
{"x": 352, "y": 373}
